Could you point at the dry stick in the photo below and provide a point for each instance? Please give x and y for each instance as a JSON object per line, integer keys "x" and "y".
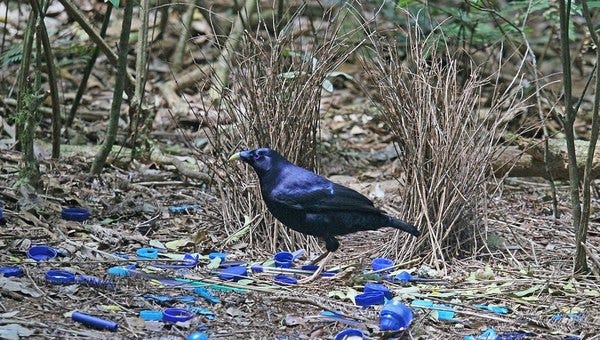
{"x": 222, "y": 69}
{"x": 42, "y": 34}
{"x": 183, "y": 36}
{"x": 88, "y": 68}
{"x": 74, "y": 14}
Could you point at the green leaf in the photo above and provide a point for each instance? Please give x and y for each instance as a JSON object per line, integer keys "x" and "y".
{"x": 528, "y": 291}
{"x": 176, "y": 244}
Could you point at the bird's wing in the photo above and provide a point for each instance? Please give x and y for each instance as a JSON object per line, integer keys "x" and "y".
{"x": 319, "y": 194}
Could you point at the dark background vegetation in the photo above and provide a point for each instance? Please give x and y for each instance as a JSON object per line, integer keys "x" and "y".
{"x": 475, "y": 120}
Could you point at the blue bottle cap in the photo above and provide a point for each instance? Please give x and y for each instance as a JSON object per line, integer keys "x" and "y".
{"x": 75, "y": 214}
{"x": 349, "y": 333}
{"x": 41, "y": 253}
{"x": 403, "y": 277}
{"x": 59, "y": 277}
{"x": 215, "y": 254}
{"x": 151, "y": 315}
{"x": 378, "y": 287}
{"x": 117, "y": 271}
{"x": 233, "y": 273}
{"x": 369, "y": 299}
{"x": 197, "y": 336}
{"x": 395, "y": 316}
{"x": 177, "y": 315}
{"x": 147, "y": 253}
{"x": 285, "y": 280}
{"x": 283, "y": 259}
{"x": 381, "y": 263}
{"x": 11, "y": 271}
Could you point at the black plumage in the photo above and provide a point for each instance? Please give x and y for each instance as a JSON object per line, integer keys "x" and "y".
{"x": 312, "y": 204}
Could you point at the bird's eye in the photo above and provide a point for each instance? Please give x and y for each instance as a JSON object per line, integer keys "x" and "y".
{"x": 257, "y": 156}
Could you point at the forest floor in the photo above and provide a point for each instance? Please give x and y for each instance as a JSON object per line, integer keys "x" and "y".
{"x": 517, "y": 283}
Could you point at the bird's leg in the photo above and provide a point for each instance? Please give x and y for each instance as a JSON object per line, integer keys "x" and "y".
{"x": 323, "y": 258}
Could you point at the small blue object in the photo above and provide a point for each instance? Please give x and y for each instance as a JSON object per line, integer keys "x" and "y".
{"x": 158, "y": 298}
{"x": 177, "y": 315}
{"x": 94, "y": 322}
{"x": 350, "y": 333}
{"x": 60, "y": 277}
{"x": 203, "y": 311}
{"x": 514, "y": 335}
{"x": 207, "y": 295}
{"x": 488, "y": 334}
{"x": 403, "y": 277}
{"x": 395, "y": 316}
{"x": 183, "y": 208}
{"x": 151, "y": 315}
{"x": 494, "y": 308}
{"x": 369, "y": 299}
{"x": 215, "y": 254}
{"x": 233, "y": 273}
{"x": 147, "y": 253}
{"x": 186, "y": 298}
{"x": 118, "y": 271}
{"x": 378, "y": 287}
{"x": 381, "y": 264}
{"x": 197, "y": 336}
{"x": 11, "y": 271}
{"x": 444, "y": 312}
{"x": 285, "y": 280}
{"x": 189, "y": 261}
{"x": 75, "y": 214}
{"x": 121, "y": 256}
{"x": 94, "y": 281}
{"x": 231, "y": 264}
{"x": 41, "y": 253}
{"x": 0, "y": 214}
{"x": 283, "y": 259}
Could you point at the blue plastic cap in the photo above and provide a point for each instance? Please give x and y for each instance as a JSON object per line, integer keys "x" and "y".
{"x": 60, "y": 277}
{"x": 197, "y": 336}
{"x": 369, "y": 299}
{"x": 147, "y": 253}
{"x": 75, "y": 214}
{"x": 233, "y": 273}
{"x": 151, "y": 315}
{"x": 117, "y": 271}
{"x": 403, "y": 277}
{"x": 378, "y": 287}
{"x": 381, "y": 263}
{"x": 11, "y": 271}
{"x": 41, "y": 253}
{"x": 285, "y": 280}
{"x": 94, "y": 322}
{"x": 395, "y": 316}
{"x": 177, "y": 315}
{"x": 214, "y": 255}
{"x": 283, "y": 259}
{"x": 349, "y": 333}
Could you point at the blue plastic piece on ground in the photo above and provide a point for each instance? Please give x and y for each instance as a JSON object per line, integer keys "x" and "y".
{"x": 75, "y": 214}
{"x": 233, "y": 273}
{"x": 151, "y": 315}
{"x": 147, "y": 253}
{"x": 177, "y": 315}
{"x": 378, "y": 287}
{"x": 207, "y": 295}
{"x": 94, "y": 281}
{"x": 228, "y": 264}
{"x": 94, "y": 322}
{"x": 183, "y": 208}
{"x": 403, "y": 277}
{"x": 514, "y": 335}
{"x": 395, "y": 316}
{"x": 11, "y": 271}
{"x": 381, "y": 264}
{"x": 488, "y": 334}
{"x": 349, "y": 333}
{"x": 60, "y": 277}
{"x": 117, "y": 271}
{"x": 186, "y": 298}
{"x": 283, "y": 259}
{"x": 41, "y": 253}
{"x": 285, "y": 280}
{"x": 197, "y": 336}
{"x": 444, "y": 312}
{"x": 215, "y": 254}
{"x": 494, "y": 308}
{"x": 203, "y": 311}
{"x": 369, "y": 299}
{"x": 158, "y": 298}
{"x": 189, "y": 261}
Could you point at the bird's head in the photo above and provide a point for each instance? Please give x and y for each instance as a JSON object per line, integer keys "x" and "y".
{"x": 262, "y": 160}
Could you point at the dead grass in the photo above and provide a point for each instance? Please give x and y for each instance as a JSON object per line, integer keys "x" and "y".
{"x": 432, "y": 103}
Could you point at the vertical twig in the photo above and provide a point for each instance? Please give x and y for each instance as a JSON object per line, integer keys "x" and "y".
{"x": 183, "y": 36}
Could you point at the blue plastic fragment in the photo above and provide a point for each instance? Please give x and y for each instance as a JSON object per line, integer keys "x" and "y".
{"x": 158, "y": 298}
{"x": 147, "y": 253}
{"x": 215, "y": 254}
{"x": 444, "y": 312}
{"x": 284, "y": 280}
{"x": 494, "y": 308}
{"x": 184, "y": 208}
{"x": 378, "y": 287}
{"x": 233, "y": 273}
{"x": 203, "y": 311}
{"x": 488, "y": 334}
{"x": 514, "y": 335}
{"x": 403, "y": 277}
{"x": 94, "y": 322}
{"x": 11, "y": 271}
{"x": 94, "y": 281}
{"x": 118, "y": 271}
{"x": 395, "y": 316}
{"x": 41, "y": 253}
{"x": 197, "y": 336}
{"x": 369, "y": 299}
{"x": 75, "y": 214}
{"x": 189, "y": 261}
{"x": 186, "y": 298}
{"x": 207, "y": 295}
{"x": 382, "y": 264}
{"x": 151, "y": 315}
{"x": 350, "y": 333}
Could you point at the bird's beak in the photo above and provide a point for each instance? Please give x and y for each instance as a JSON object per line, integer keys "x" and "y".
{"x": 236, "y": 156}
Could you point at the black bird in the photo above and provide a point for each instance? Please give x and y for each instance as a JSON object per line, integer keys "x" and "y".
{"x": 312, "y": 204}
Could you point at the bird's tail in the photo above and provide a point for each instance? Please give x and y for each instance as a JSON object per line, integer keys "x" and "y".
{"x": 398, "y": 224}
